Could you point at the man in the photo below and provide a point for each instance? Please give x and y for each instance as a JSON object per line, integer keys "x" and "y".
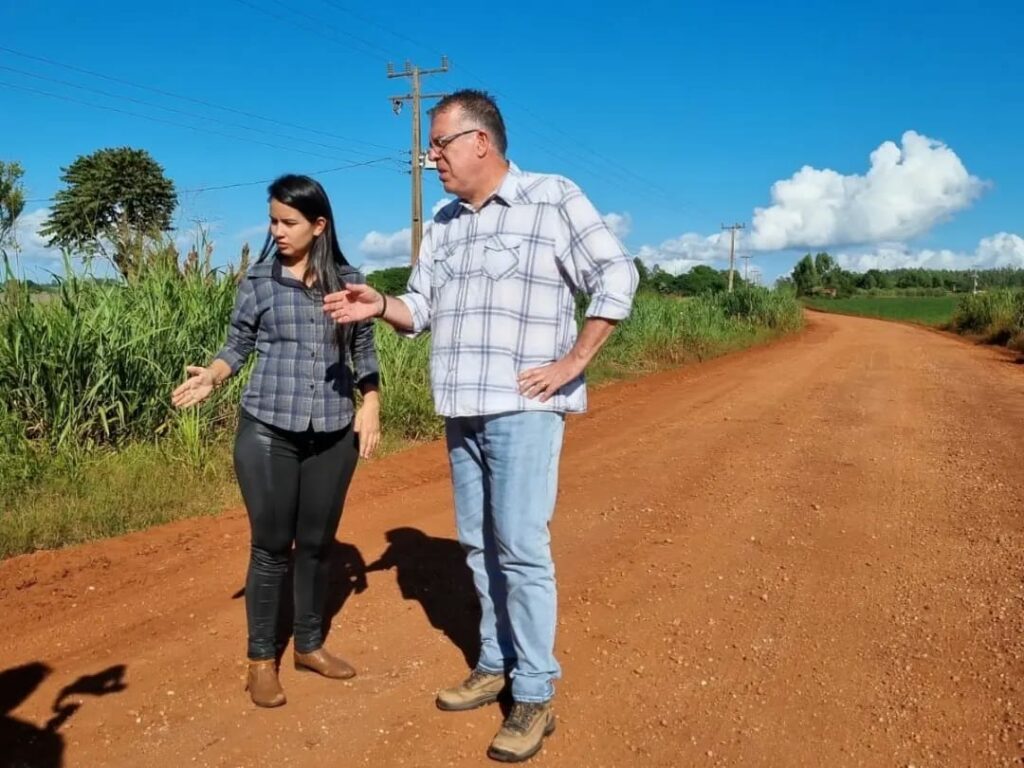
{"x": 494, "y": 284}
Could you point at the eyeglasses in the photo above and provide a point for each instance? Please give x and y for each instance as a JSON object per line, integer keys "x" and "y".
{"x": 441, "y": 142}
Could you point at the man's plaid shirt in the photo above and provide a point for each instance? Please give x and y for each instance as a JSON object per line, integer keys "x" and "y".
{"x": 495, "y": 288}
{"x": 301, "y": 379}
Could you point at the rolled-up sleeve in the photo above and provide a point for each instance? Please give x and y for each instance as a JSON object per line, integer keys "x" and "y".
{"x": 596, "y": 260}
{"x": 418, "y": 295}
{"x": 242, "y": 331}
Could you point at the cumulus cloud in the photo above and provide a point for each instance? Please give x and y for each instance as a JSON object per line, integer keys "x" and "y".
{"x": 387, "y": 249}
{"x": 439, "y": 205}
{"x": 686, "y": 251}
{"x": 619, "y": 223}
{"x": 1000, "y": 250}
{"x": 30, "y": 244}
{"x": 906, "y": 191}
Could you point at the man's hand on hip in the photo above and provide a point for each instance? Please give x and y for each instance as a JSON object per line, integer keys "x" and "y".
{"x": 543, "y": 382}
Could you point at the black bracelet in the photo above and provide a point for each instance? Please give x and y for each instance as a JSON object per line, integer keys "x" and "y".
{"x": 384, "y": 306}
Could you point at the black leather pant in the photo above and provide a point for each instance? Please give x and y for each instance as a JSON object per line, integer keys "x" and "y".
{"x": 294, "y": 486}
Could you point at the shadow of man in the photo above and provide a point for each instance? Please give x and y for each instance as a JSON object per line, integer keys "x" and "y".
{"x": 24, "y": 745}
{"x": 433, "y": 572}
{"x": 347, "y": 578}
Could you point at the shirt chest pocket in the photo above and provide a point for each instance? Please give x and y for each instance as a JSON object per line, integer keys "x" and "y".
{"x": 500, "y": 257}
{"x": 442, "y": 269}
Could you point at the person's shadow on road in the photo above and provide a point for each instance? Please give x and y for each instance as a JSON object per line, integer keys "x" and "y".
{"x": 433, "y": 572}
{"x": 24, "y": 745}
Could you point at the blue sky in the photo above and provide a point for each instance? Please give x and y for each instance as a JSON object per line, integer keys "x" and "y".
{"x": 674, "y": 117}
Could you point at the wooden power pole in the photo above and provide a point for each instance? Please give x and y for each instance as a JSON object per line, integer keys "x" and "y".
{"x": 415, "y": 73}
{"x": 732, "y": 249}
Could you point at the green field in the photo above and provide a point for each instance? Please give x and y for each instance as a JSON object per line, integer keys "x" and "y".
{"x": 927, "y": 310}
{"x": 90, "y": 445}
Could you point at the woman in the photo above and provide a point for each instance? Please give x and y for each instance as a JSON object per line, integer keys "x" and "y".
{"x": 296, "y": 446}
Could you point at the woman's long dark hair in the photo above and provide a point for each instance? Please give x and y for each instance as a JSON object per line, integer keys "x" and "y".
{"x": 325, "y": 257}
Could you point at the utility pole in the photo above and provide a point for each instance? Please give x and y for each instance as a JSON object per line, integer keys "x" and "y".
{"x": 732, "y": 248}
{"x": 746, "y": 264}
{"x": 416, "y": 73}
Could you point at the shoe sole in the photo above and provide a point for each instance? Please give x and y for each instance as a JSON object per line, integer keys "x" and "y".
{"x": 301, "y": 668}
{"x": 269, "y": 704}
{"x": 465, "y": 707}
{"x": 511, "y": 757}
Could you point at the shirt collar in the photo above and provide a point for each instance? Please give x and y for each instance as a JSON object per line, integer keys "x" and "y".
{"x": 285, "y": 278}
{"x": 507, "y": 193}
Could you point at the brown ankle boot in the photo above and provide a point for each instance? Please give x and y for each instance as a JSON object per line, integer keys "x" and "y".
{"x": 323, "y": 663}
{"x": 263, "y": 685}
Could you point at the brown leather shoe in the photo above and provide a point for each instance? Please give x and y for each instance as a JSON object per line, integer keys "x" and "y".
{"x": 263, "y": 685}
{"x": 323, "y": 663}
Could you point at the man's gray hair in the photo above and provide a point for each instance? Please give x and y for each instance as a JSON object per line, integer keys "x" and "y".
{"x": 480, "y": 107}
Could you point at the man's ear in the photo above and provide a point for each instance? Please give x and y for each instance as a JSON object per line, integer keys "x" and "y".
{"x": 483, "y": 144}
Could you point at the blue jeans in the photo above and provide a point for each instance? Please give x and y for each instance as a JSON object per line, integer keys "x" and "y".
{"x": 505, "y": 477}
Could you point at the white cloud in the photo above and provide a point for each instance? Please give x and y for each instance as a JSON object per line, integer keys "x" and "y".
{"x": 196, "y": 235}
{"x": 906, "y": 191}
{"x": 30, "y": 244}
{"x": 619, "y": 223}
{"x": 387, "y": 249}
{"x": 999, "y": 250}
{"x": 681, "y": 253}
{"x": 439, "y": 205}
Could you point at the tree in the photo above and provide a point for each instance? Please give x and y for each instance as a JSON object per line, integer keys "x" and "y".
{"x": 643, "y": 272}
{"x": 701, "y": 279}
{"x": 830, "y": 274}
{"x": 12, "y": 201}
{"x": 823, "y": 264}
{"x": 391, "y": 281}
{"x": 115, "y": 201}
{"x": 661, "y": 281}
{"x": 786, "y": 284}
{"x": 805, "y": 276}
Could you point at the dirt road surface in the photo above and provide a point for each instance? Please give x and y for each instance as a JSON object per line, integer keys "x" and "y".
{"x": 807, "y": 554}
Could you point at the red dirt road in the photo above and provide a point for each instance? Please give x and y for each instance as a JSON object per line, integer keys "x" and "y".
{"x": 807, "y": 554}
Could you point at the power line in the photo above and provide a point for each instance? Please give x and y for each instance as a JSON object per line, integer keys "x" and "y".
{"x": 317, "y": 28}
{"x": 593, "y": 170}
{"x": 234, "y": 185}
{"x": 201, "y": 102}
{"x": 607, "y": 165}
{"x": 381, "y": 27}
{"x": 151, "y": 118}
{"x": 186, "y": 113}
